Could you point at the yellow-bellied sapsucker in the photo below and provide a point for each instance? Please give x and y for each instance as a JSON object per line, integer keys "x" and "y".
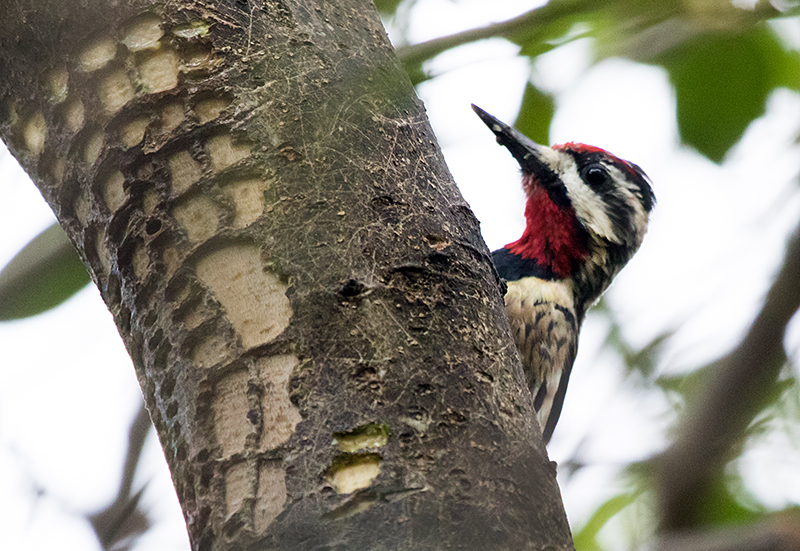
{"x": 586, "y": 215}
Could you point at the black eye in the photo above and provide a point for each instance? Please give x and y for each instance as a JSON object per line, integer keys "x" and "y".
{"x": 595, "y": 175}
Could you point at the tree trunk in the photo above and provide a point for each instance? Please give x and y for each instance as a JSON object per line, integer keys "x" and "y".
{"x": 315, "y": 321}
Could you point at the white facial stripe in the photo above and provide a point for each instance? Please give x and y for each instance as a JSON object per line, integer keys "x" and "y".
{"x": 550, "y": 156}
{"x": 584, "y": 199}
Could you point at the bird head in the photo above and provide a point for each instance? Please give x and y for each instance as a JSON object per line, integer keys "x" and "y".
{"x": 586, "y": 211}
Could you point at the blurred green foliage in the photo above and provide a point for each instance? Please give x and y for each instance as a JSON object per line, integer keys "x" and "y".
{"x": 535, "y": 114}
{"x": 586, "y": 538}
{"x": 722, "y": 81}
{"x": 41, "y": 276}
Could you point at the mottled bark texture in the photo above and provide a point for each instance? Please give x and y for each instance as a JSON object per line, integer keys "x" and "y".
{"x": 314, "y": 319}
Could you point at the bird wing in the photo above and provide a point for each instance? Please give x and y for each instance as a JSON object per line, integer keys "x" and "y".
{"x": 545, "y": 331}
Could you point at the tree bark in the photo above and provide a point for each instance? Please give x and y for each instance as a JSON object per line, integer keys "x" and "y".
{"x": 314, "y": 319}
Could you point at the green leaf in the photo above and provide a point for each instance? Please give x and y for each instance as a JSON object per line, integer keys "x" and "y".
{"x": 416, "y": 73}
{"x": 387, "y": 7}
{"x": 786, "y": 68}
{"x": 586, "y": 539}
{"x": 722, "y": 82}
{"x": 555, "y": 23}
{"x": 721, "y": 503}
{"x": 41, "y": 276}
{"x": 686, "y": 388}
{"x": 535, "y": 114}
{"x": 539, "y": 39}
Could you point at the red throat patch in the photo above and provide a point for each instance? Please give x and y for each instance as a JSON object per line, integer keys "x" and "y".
{"x": 552, "y": 237}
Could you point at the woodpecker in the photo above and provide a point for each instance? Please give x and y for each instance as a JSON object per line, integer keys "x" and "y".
{"x": 586, "y": 214}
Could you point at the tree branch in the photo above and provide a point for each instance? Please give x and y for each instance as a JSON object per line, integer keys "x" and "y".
{"x": 736, "y": 392}
{"x": 122, "y": 520}
{"x": 526, "y": 23}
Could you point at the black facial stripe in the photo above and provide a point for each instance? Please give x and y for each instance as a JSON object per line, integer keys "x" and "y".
{"x": 646, "y": 194}
{"x": 618, "y": 255}
{"x": 621, "y": 214}
{"x": 552, "y": 184}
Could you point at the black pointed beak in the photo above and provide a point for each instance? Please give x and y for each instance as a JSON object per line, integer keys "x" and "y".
{"x": 532, "y": 157}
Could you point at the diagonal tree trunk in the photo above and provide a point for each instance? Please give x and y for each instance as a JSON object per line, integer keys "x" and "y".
{"x": 315, "y": 322}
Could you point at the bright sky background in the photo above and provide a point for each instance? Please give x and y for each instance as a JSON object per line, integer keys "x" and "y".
{"x": 68, "y": 391}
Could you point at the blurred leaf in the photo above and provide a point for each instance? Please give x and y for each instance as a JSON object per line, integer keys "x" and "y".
{"x": 387, "y": 7}
{"x": 586, "y": 539}
{"x": 536, "y": 39}
{"x": 555, "y": 23}
{"x": 416, "y": 73}
{"x": 641, "y": 360}
{"x": 786, "y": 68}
{"x": 721, "y": 506}
{"x": 41, "y": 276}
{"x": 535, "y": 114}
{"x": 780, "y": 408}
{"x": 722, "y": 82}
{"x": 686, "y": 387}
{"x": 778, "y": 402}
{"x": 644, "y": 360}
{"x": 787, "y": 406}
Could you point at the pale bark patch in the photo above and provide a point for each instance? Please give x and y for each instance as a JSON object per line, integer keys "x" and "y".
{"x": 280, "y": 415}
{"x": 73, "y": 117}
{"x": 102, "y": 251}
{"x": 271, "y": 495}
{"x": 132, "y": 133}
{"x": 143, "y": 34}
{"x": 231, "y": 426}
{"x": 237, "y": 486}
{"x": 225, "y": 152}
{"x": 198, "y": 217}
{"x": 93, "y": 147}
{"x": 209, "y": 351}
{"x": 255, "y": 301}
{"x": 181, "y": 293}
{"x": 193, "y": 29}
{"x": 171, "y": 116}
{"x": 354, "y": 472}
{"x": 248, "y": 197}
{"x": 113, "y": 191}
{"x": 35, "y": 133}
{"x": 141, "y": 261}
{"x": 192, "y": 316}
{"x": 198, "y": 59}
{"x": 361, "y": 438}
{"x": 81, "y": 207}
{"x": 115, "y": 91}
{"x": 172, "y": 260}
{"x": 57, "y": 170}
{"x": 210, "y": 108}
{"x": 159, "y": 71}
{"x": 96, "y": 55}
{"x": 58, "y": 82}
{"x": 150, "y": 201}
{"x": 185, "y": 171}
